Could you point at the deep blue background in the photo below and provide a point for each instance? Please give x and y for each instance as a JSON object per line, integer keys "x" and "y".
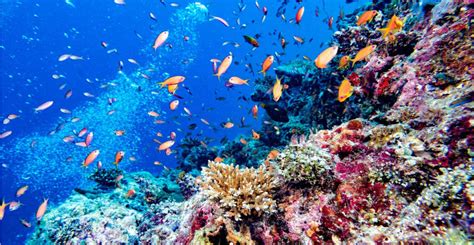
{"x": 36, "y": 33}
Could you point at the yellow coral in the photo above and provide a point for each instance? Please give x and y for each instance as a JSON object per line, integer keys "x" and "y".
{"x": 239, "y": 192}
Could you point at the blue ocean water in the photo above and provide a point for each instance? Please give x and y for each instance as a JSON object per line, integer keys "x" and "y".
{"x": 34, "y": 34}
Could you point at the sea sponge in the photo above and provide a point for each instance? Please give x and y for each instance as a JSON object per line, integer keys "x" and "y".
{"x": 239, "y": 192}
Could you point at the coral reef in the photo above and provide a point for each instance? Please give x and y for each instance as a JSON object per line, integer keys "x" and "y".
{"x": 392, "y": 164}
{"x": 240, "y": 192}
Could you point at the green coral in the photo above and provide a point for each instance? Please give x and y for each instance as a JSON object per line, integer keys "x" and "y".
{"x": 305, "y": 163}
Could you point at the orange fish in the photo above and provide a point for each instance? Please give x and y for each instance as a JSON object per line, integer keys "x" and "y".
{"x": 273, "y": 154}
{"x": 299, "y": 15}
{"x": 25, "y": 223}
{"x": 21, "y": 191}
{"x": 344, "y": 62}
{"x": 298, "y": 39}
{"x": 2, "y": 209}
{"x": 228, "y": 125}
{"x": 363, "y": 53}
{"x": 238, "y": 81}
{"x": 266, "y": 64}
{"x": 218, "y": 159}
{"x": 41, "y": 210}
{"x": 89, "y": 138}
{"x": 255, "y": 111}
{"x": 168, "y": 152}
{"x": 345, "y": 90}
{"x": 153, "y": 114}
{"x": 130, "y": 193}
{"x": 255, "y": 135}
{"x": 172, "y": 135}
{"x": 119, "y": 132}
{"x": 166, "y": 145}
{"x": 223, "y": 66}
{"x": 243, "y": 141}
{"x": 172, "y": 80}
{"x": 394, "y": 25}
{"x": 277, "y": 90}
{"x": 82, "y": 132}
{"x": 160, "y": 39}
{"x": 14, "y": 205}
{"x": 325, "y": 57}
{"x": 174, "y": 104}
{"x": 118, "y": 157}
{"x": 367, "y": 16}
{"x": 90, "y": 158}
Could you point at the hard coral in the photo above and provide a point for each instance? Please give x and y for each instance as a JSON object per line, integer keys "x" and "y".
{"x": 306, "y": 163}
{"x": 240, "y": 192}
{"x": 106, "y": 177}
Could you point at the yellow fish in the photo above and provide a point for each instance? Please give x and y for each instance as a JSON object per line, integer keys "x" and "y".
{"x": 363, "y": 53}
{"x": 325, "y": 57}
{"x": 277, "y": 90}
{"x": 345, "y": 90}
{"x": 394, "y": 25}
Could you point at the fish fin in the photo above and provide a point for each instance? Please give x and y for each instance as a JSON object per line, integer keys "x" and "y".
{"x": 246, "y": 82}
{"x": 162, "y": 84}
{"x": 218, "y": 76}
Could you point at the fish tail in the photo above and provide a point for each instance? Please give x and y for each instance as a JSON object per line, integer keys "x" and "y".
{"x": 353, "y": 62}
{"x": 162, "y": 84}
{"x": 246, "y": 82}
{"x": 384, "y": 32}
{"x": 263, "y": 72}
{"x": 217, "y": 75}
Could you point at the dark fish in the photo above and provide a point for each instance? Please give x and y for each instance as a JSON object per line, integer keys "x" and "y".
{"x": 220, "y": 98}
{"x": 224, "y": 140}
{"x": 192, "y": 126}
{"x": 275, "y": 112}
{"x": 177, "y": 96}
{"x": 187, "y": 89}
{"x": 251, "y": 41}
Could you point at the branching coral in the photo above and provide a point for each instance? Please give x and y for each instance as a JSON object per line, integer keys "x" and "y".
{"x": 240, "y": 192}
